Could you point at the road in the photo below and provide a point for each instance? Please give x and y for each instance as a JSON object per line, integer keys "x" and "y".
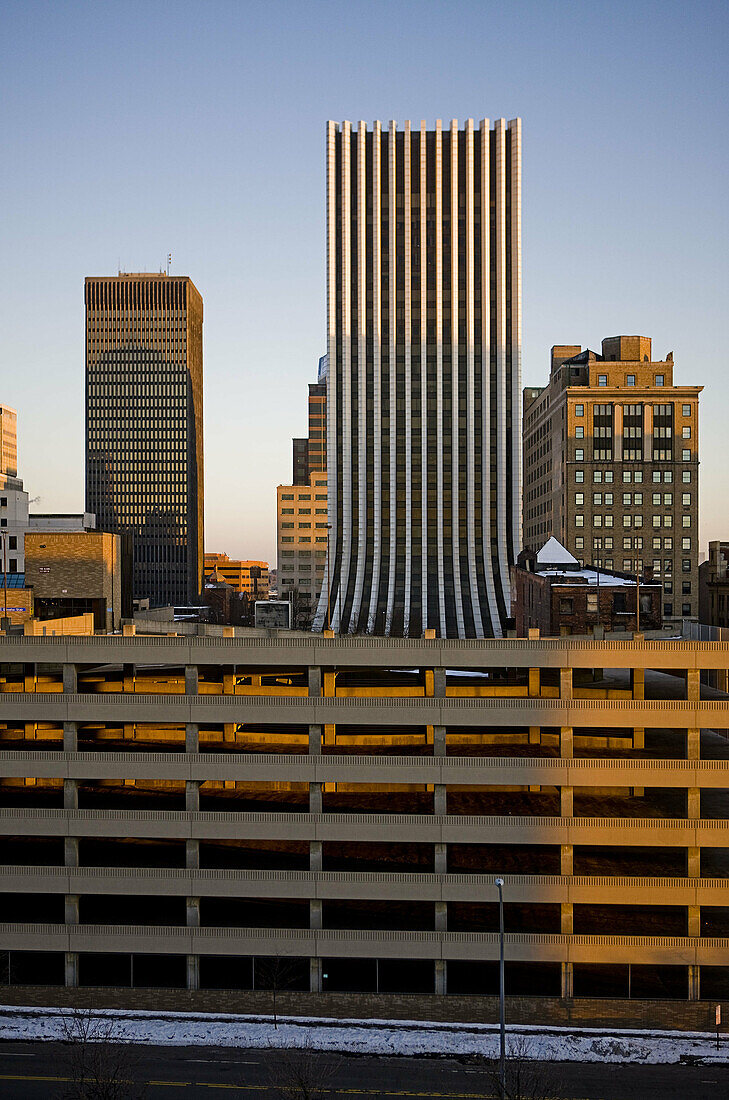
{"x": 36, "y": 1071}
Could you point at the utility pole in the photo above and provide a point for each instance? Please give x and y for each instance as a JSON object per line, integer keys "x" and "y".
{"x": 499, "y": 883}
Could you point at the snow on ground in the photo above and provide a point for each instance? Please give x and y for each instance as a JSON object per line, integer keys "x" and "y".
{"x": 390, "y": 1037}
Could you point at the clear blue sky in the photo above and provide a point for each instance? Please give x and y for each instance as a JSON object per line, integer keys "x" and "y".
{"x": 129, "y": 130}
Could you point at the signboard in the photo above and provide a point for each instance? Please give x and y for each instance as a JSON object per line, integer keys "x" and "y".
{"x": 44, "y": 568}
{"x": 273, "y": 613}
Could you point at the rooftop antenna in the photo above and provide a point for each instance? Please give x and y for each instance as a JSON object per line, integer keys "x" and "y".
{"x": 169, "y": 261}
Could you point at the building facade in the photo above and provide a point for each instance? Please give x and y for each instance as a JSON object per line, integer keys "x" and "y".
{"x": 250, "y": 578}
{"x": 611, "y": 465}
{"x": 75, "y": 572}
{"x": 302, "y": 538}
{"x": 714, "y": 586}
{"x": 185, "y": 809}
{"x": 423, "y": 390}
{"x": 144, "y": 426}
{"x": 8, "y": 441}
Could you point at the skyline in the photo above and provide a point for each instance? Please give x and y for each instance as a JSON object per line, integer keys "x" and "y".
{"x": 622, "y": 235}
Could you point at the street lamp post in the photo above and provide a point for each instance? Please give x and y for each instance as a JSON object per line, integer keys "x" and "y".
{"x": 499, "y": 882}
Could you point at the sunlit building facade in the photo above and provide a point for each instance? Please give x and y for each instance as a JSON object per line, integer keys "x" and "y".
{"x": 423, "y": 397}
{"x": 144, "y": 445}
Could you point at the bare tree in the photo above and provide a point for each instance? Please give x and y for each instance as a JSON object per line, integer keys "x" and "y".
{"x": 99, "y": 1063}
{"x": 276, "y": 973}
{"x": 302, "y": 1073}
{"x": 527, "y": 1078}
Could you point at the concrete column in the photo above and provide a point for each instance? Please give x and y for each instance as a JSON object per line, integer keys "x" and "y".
{"x": 439, "y": 798}
{"x": 314, "y": 682}
{"x": 637, "y": 683}
{"x": 315, "y": 740}
{"x": 315, "y": 855}
{"x": 566, "y": 742}
{"x": 70, "y": 851}
{"x": 722, "y": 680}
{"x": 193, "y": 971}
{"x": 693, "y": 806}
{"x": 694, "y": 982}
{"x": 439, "y": 740}
{"x": 693, "y": 863}
{"x": 694, "y": 920}
{"x": 128, "y": 673}
{"x": 566, "y": 919}
{"x": 534, "y": 683}
{"x": 535, "y": 735}
{"x": 566, "y": 859}
{"x": 70, "y": 794}
{"x": 693, "y": 744}
{"x": 70, "y": 909}
{"x": 439, "y": 683}
{"x": 565, "y": 683}
{"x": 441, "y": 859}
{"x": 191, "y": 680}
{"x": 192, "y": 795}
{"x": 192, "y": 737}
{"x": 70, "y": 969}
{"x": 70, "y": 737}
{"x": 192, "y": 912}
{"x": 639, "y": 738}
{"x": 315, "y": 798}
{"x": 192, "y": 854}
{"x": 693, "y": 685}
{"x": 315, "y": 913}
{"x": 315, "y": 975}
{"x": 566, "y": 801}
{"x": 567, "y": 981}
{"x": 441, "y": 916}
{"x": 70, "y": 680}
{"x": 441, "y": 984}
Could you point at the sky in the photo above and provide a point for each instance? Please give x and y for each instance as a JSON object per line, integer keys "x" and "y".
{"x": 131, "y": 130}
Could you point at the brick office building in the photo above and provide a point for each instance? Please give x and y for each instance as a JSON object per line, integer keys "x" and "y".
{"x": 611, "y": 465}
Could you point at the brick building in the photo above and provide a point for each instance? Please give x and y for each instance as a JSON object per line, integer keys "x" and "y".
{"x": 611, "y": 465}
{"x": 75, "y": 572}
{"x": 552, "y": 592}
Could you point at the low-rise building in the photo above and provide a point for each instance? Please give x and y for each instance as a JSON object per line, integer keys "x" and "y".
{"x": 72, "y": 572}
{"x": 249, "y": 578}
{"x": 302, "y": 546}
{"x": 553, "y": 593}
{"x": 714, "y": 586}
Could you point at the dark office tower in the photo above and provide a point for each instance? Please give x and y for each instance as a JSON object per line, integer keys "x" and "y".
{"x": 423, "y": 397}
{"x": 144, "y": 432}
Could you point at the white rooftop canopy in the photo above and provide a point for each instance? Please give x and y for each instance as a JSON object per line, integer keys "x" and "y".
{"x": 554, "y": 553}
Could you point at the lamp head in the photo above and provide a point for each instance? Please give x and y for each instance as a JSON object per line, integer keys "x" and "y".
{"x": 498, "y": 882}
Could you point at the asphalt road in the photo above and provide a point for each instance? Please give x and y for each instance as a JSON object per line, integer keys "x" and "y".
{"x": 38, "y": 1071}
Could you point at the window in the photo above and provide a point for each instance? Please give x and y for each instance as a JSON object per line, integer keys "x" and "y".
{"x": 579, "y": 455}
{"x": 668, "y": 521}
{"x": 668, "y": 565}
{"x": 566, "y": 605}
{"x": 608, "y": 542}
{"x": 656, "y": 476}
{"x": 627, "y": 521}
{"x": 287, "y": 496}
{"x": 597, "y": 476}
{"x": 686, "y": 588}
{"x": 592, "y": 603}
{"x": 686, "y": 431}
{"x": 627, "y": 475}
{"x": 286, "y": 526}
{"x": 656, "y": 565}
{"x": 686, "y": 521}
{"x": 637, "y": 498}
{"x": 602, "y": 380}
{"x": 668, "y": 498}
{"x": 287, "y": 511}
{"x": 580, "y": 410}
{"x": 579, "y": 521}
{"x": 667, "y": 586}
{"x": 608, "y": 520}
{"x": 685, "y": 608}
{"x": 628, "y": 543}
{"x": 668, "y": 609}
{"x": 686, "y": 543}
{"x": 597, "y": 520}
{"x": 579, "y": 498}
{"x": 656, "y": 521}
{"x": 579, "y": 476}
{"x": 579, "y": 543}
{"x": 686, "y": 477}
{"x": 685, "y": 565}
{"x": 659, "y": 379}
{"x": 685, "y": 410}
{"x": 638, "y": 476}
{"x": 668, "y": 476}
{"x": 597, "y": 498}
{"x": 3, "y": 502}
{"x": 656, "y": 498}
{"x": 579, "y": 432}
{"x": 630, "y": 380}
{"x": 685, "y": 456}
{"x": 668, "y": 543}
{"x": 597, "y": 544}
{"x": 619, "y": 597}
{"x": 608, "y": 563}
{"x": 13, "y": 542}
{"x": 609, "y": 476}
{"x": 627, "y": 499}
{"x": 686, "y": 499}
{"x": 638, "y": 542}
{"x": 656, "y": 542}
{"x": 608, "y": 498}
